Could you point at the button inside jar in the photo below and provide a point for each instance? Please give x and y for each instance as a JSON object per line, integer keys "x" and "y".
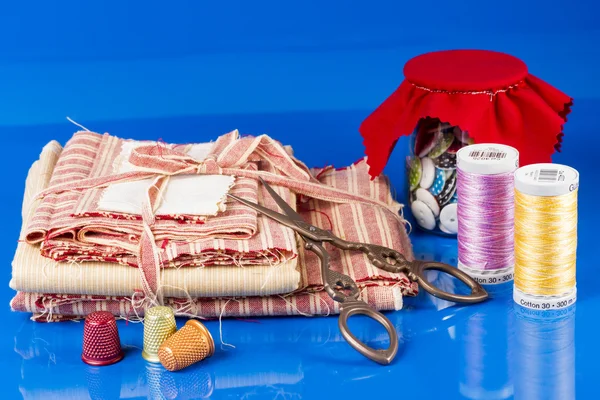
{"x": 431, "y": 168}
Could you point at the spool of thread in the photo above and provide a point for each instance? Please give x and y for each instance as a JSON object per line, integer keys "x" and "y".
{"x": 485, "y": 185}
{"x": 544, "y": 361}
{"x": 545, "y": 236}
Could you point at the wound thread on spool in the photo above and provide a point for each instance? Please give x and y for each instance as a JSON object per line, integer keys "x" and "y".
{"x": 545, "y": 236}
{"x": 485, "y": 209}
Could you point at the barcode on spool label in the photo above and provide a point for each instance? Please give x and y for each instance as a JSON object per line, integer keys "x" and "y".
{"x": 487, "y": 155}
{"x": 548, "y": 175}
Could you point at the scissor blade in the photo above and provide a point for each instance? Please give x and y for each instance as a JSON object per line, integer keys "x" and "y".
{"x": 281, "y": 218}
{"x": 285, "y": 207}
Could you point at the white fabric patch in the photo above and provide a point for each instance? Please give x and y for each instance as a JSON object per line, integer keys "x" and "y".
{"x": 398, "y": 302}
{"x": 184, "y": 194}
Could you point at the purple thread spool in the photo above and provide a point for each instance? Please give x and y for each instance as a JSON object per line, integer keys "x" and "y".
{"x": 485, "y": 210}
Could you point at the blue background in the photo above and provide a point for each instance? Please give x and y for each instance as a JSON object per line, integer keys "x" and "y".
{"x": 306, "y": 73}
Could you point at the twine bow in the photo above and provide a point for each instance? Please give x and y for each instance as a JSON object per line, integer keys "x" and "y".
{"x": 230, "y": 155}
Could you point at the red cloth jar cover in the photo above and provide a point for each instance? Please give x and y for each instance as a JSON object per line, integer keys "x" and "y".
{"x": 490, "y": 95}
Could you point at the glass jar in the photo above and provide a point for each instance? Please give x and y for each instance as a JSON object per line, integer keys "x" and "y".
{"x": 431, "y": 168}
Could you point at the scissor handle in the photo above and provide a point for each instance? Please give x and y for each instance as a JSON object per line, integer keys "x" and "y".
{"x": 393, "y": 261}
{"x": 353, "y": 307}
{"x": 337, "y": 285}
{"x": 417, "y": 273}
{"x": 381, "y": 257}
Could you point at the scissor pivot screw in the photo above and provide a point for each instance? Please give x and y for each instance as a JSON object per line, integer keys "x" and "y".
{"x": 312, "y": 229}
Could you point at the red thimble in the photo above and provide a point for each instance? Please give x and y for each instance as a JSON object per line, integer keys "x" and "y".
{"x": 101, "y": 344}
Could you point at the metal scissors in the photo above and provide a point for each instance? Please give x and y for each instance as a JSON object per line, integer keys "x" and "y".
{"x": 344, "y": 290}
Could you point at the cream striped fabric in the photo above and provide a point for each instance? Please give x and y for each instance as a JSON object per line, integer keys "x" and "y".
{"x": 351, "y": 221}
{"x": 34, "y": 273}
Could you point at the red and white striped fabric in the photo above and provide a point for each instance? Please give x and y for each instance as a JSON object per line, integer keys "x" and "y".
{"x": 71, "y": 227}
{"x": 48, "y": 308}
{"x": 355, "y": 221}
{"x": 31, "y": 272}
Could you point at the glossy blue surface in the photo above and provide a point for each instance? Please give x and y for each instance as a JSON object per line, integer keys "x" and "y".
{"x": 307, "y": 75}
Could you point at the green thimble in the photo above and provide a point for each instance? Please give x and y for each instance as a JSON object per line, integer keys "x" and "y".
{"x": 159, "y": 325}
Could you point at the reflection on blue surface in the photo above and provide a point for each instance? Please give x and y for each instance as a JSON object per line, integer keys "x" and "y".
{"x": 493, "y": 352}
{"x": 447, "y": 350}
{"x": 49, "y": 370}
{"x": 306, "y": 75}
{"x": 480, "y": 347}
{"x": 545, "y": 360}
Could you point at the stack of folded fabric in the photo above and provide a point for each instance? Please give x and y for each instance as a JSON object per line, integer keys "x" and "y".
{"x": 121, "y": 225}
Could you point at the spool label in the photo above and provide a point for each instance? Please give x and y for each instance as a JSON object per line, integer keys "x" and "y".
{"x": 546, "y": 179}
{"x": 487, "y": 159}
{"x": 489, "y": 277}
{"x": 487, "y": 155}
{"x": 544, "y": 303}
{"x": 549, "y": 175}
{"x": 493, "y": 280}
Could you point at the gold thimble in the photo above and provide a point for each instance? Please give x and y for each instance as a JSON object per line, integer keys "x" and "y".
{"x": 192, "y": 343}
{"x": 159, "y": 324}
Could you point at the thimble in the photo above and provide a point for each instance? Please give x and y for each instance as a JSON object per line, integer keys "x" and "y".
{"x": 192, "y": 343}
{"x": 101, "y": 344}
{"x": 159, "y": 324}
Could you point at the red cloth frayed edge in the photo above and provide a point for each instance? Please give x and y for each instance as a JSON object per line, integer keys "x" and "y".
{"x": 529, "y": 116}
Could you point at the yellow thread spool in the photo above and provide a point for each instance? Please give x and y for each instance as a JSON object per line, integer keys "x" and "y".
{"x": 545, "y": 236}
